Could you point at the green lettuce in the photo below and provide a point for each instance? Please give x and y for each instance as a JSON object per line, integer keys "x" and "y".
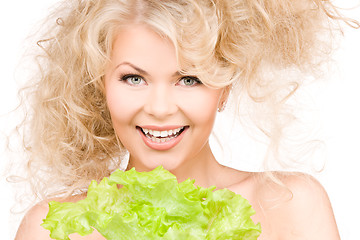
{"x": 153, "y": 205}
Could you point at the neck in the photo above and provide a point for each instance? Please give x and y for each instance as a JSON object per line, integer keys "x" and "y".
{"x": 203, "y": 167}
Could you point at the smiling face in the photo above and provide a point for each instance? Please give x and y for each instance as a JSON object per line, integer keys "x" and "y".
{"x": 160, "y": 116}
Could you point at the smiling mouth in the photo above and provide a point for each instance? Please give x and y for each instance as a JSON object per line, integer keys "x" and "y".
{"x": 157, "y": 136}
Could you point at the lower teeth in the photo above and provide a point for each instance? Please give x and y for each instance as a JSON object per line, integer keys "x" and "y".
{"x": 160, "y": 140}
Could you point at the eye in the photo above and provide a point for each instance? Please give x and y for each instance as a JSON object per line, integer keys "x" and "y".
{"x": 189, "y": 81}
{"x": 134, "y": 80}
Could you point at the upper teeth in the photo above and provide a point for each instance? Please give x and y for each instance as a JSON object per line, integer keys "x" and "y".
{"x": 166, "y": 133}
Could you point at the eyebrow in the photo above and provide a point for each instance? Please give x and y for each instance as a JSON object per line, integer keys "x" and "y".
{"x": 142, "y": 71}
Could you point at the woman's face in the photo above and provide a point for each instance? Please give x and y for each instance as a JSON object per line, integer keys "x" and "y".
{"x": 160, "y": 116}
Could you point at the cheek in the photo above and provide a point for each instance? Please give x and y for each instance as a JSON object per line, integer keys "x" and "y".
{"x": 202, "y": 107}
{"x": 121, "y": 106}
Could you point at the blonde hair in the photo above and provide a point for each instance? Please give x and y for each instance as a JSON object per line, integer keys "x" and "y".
{"x": 69, "y": 135}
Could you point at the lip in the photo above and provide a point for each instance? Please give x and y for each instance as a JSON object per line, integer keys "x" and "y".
{"x": 165, "y": 145}
{"x": 162, "y": 128}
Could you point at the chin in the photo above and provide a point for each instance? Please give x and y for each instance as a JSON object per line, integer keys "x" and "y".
{"x": 149, "y": 163}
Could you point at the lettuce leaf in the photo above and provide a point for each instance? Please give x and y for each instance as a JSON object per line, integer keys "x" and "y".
{"x": 153, "y": 205}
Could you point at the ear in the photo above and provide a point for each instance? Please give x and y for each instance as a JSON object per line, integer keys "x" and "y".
{"x": 224, "y": 97}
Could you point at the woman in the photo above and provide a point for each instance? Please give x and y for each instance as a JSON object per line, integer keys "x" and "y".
{"x": 148, "y": 78}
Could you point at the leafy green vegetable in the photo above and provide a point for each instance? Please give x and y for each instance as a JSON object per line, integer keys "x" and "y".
{"x": 153, "y": 205}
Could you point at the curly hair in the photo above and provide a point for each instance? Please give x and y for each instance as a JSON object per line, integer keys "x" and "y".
{"x": 69, "y": 136}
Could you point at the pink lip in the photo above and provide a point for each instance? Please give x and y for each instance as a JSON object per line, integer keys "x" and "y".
{"x": 165, "y": 145}
{"x": 162, "y": 128}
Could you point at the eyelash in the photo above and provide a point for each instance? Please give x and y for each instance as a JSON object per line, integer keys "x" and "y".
{"x": 126, "y": 77}
{"x": 195, "y": 79}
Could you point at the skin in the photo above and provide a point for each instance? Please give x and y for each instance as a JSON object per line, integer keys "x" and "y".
{"x": 156, "y": 94}
{"x": 160, "y": 97}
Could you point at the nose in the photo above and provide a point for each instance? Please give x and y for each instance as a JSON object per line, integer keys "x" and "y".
{"x": 161, "y": 102}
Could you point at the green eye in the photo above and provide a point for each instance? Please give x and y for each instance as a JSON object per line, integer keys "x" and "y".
{"x": 189, "y": 81}
{"x": 133, "y": 80}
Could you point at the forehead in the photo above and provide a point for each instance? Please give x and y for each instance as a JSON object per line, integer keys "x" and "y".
{"x": 142, "y": 46}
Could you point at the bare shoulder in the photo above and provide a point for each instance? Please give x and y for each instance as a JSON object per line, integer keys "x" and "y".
{"x": 30, "y": 227}
{"x": 298, "y": 209}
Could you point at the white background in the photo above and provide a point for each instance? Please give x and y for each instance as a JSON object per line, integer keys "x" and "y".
{"x": 336, "y": 100}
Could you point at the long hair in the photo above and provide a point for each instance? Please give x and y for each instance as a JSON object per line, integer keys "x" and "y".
{"x": 68, "y": 132}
